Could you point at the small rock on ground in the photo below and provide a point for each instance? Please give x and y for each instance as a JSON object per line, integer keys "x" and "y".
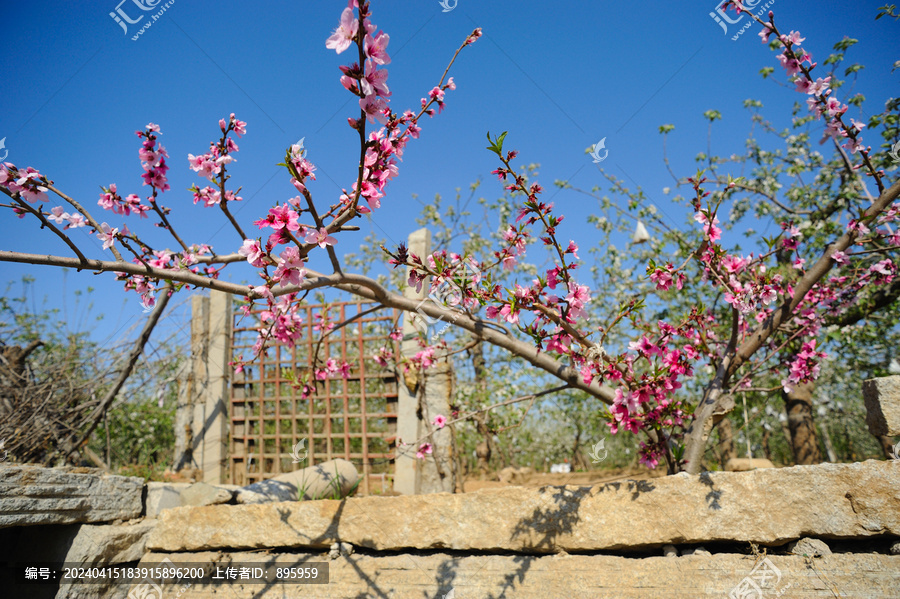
{"x": 810, "y": 547}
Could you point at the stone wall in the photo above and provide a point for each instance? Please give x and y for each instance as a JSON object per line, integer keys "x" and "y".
{"x": 830, "y": 530}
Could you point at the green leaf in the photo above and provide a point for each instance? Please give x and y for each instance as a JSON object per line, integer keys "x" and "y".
{"x": 497, "y": 145}
{"x": 845, "y": 43}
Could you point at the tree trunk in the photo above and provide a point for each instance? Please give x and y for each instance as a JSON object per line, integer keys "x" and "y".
{"x": 765, "y": 443}
{"x": 726, "y": 441}
{"x": 804, "y": 440}
{"x": 484, "y": 449}
{"x": 829, "y": 446}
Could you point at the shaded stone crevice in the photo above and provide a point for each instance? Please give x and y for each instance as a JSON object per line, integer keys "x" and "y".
{"x": 878, "y": 545}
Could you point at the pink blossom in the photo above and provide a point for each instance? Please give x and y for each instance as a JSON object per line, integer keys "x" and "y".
{"x": 31, "y": 187}
{"x": 792, "y": 38}
{"x": 342, "y": 37}
{"x": 263, "y": 291}
{"x": 57, "y": 215}
{"x": 424, "y": 448}
{"x": 415, "y": 280}
{"x": 820, "y": 87}
{"x": 628, "y": 400}
{"x": 791, "y": 65}
{"x": 320, "y": 237}
{"x": 374, "y": 107}
{"x": 240, "y": 127}
{"x": 209, "y": 196}
{"x": 840, "y": 258}
{"x": 734, "y": 264}
{"x": 511, "y": 315}
{"x": 204, "y": 165}
{"x": 251, "y": 250}
{"x": 439, "y": 421}
{"x": 662, "y": 278}
{"x": 835, "y": 107}
{"x": 161, "y": 259}
{"x": 714, "y": 232}
{"x": 290, "y": 267}
{"x": 375, "y": 81}
{"x": 376, "y": 48}
{"x": 76, "y": 220}
{"x": 107, "y": 235}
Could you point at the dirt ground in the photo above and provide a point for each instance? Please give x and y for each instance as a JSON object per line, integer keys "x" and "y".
{"x": 584, "y": 479}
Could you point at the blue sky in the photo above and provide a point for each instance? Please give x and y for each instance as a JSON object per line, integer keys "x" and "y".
{"x": 557, "y": 75}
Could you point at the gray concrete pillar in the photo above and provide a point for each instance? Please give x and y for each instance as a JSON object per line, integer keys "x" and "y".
{"x": 208, "y": 388}
{"x": 405, "y": 466}
{"x": 421, "y": 398}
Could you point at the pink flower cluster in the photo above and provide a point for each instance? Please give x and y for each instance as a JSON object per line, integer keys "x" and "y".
{"x": 369, "y": 82}
{"x": 665, "y": 276}
{"x": 213, "y": 197}
{"x": 112, "y": 201}
{"x": 60, "y": 216}
{"x": 281, "y": 321}
{"x": 210, "y": 165}
{"x": 302, "y": 168}
{"x": 820, "y": 102}
{"x": 332, "y": 368}
{"x": 153, "y": 160}
{"x": 30, "y": 184}
{"x": 804, "y": 367}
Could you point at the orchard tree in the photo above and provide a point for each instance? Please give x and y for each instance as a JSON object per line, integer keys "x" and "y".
{"x": 774, "y": 303}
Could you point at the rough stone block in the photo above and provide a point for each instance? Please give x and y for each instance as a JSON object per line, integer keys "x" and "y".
{"x": 205, "y": 494}
{"x": 870, "y": 576}
{"x": 31, "y": 495}
{"x": 322, "y": 480}
{"x": 770, "y": 506}
{"x": 882, "y": 397}
{"x": 745, "y": 464}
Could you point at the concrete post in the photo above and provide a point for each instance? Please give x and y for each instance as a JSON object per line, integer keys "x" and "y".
{"x": 420, "y": 399}
{"x": 438, "y": 473}
{"x": 405, "y": 466}
{"x": 210, "y": 354}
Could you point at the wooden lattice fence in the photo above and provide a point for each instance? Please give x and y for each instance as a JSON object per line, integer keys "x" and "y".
{"x": 353, "y": 418}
